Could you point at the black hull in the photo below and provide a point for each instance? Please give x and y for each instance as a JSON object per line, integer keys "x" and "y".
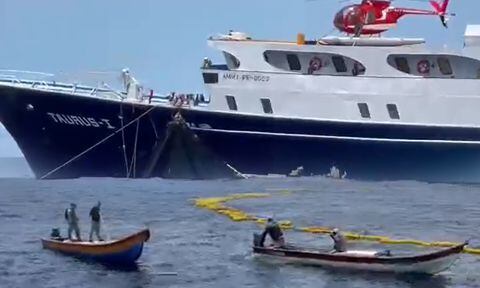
{"x": 41, "y": 123}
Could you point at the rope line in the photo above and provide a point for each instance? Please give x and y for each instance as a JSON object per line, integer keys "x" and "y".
{"x": 124, "y": 147}
{"x": 97, "y": 144}
{"x": 133, "y": 164}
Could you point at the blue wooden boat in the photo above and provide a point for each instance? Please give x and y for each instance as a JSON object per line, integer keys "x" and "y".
{"x": 124, "y": 251}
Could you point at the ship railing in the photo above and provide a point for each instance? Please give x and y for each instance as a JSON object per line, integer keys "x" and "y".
{"x": 102, "y": 90}
{"x": 175, "y": 99}
{"x": 12, "y": 77}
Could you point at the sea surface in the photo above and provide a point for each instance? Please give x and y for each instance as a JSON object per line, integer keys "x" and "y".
{"x": 203, "y": 249}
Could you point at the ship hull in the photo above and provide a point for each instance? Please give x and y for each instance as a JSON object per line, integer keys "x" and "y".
{"x": 70, "y": 136}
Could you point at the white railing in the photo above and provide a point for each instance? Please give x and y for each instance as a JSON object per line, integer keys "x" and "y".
{"x": 39, "y": 80}
{"x": 46, "y": 82}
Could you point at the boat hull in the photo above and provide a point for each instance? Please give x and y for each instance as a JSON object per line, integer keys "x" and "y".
{"x": 121, "y": 252}
{"x": 431, "y": 264}
{"x": 69, "y": 136}
{"x": 430, "y": 267}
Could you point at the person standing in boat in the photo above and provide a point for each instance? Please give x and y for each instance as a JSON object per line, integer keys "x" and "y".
{"x": 275, "y": 231}
{"x": 96, "y": 218}
{"x": 340, "y": 242}
{"x": 72, "y": 220}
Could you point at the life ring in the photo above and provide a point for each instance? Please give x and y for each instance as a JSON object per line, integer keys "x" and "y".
{"x": 423, "y": 67}
{"x": 314, "y": 65}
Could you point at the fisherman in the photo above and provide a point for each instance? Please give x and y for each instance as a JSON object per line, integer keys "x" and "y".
{"x": 273, "y": 229}
{"x": 96, "y": 218}
{"x": 72, "y": 220}
{"x": 340, "y": 242}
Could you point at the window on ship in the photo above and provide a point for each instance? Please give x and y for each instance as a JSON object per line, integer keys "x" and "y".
{"x": 232, "y": 104}
{"x": 393, "y": 111}
{"x": 402, "y": 64}
{"x": 267, "y": 105}
{"x": 210, "y": 78}
{"x": 444, "y": 65}
{"x": 294, "y": 62}
{"x": 339, "y": 64}
{"x": 265, "y": 57}
{"x": 232, "y": 61}
{"x": 364, "y": 111}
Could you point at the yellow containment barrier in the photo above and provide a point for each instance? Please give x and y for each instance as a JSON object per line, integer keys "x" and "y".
{"x": 284, "y": 224}
{"x": 217, "y": 204}
{"x": 472, "y": 251}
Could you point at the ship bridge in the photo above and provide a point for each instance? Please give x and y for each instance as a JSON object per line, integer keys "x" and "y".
{"x": 345, "y": 56}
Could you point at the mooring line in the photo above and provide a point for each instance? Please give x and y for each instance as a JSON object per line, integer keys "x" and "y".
{"x": 124, "y": 147}
{"x": 97, "y": 144}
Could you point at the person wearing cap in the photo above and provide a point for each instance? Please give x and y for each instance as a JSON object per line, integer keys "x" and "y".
{"x": 340, "y": 242}
{"x": 96, "y": 218}
{"x": 275, "y": 231}
{"x": 72, "y": 220}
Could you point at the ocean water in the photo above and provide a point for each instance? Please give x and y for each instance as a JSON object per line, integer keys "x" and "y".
{"x": 209, "y": 250}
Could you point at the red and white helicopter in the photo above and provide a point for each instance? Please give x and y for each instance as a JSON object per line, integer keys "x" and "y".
{"x": 376, "y": 16}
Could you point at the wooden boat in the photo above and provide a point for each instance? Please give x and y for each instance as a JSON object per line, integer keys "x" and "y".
{"x": 374, "y": 261}
{"x": 117, "y": 252}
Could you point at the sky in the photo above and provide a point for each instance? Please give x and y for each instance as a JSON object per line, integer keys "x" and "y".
{"x": 163, "y": 42}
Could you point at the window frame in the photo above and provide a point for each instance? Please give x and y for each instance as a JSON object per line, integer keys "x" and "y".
{"x": 393, "y": 111}
{"x": 364, "y": 110}
{"x": 210, "y": 78}
{"x": 233, "y": 60}
{"x": 231, "y": 102}
{"x": 266, "y": 105}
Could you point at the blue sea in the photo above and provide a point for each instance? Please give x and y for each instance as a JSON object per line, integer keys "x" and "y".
{"x": 191, "y": 247}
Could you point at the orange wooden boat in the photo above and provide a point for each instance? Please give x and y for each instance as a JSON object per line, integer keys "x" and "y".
{"x": 117, "y": 252}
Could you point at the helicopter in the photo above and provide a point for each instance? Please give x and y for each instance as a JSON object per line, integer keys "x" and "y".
{"x": 373, "y": 17}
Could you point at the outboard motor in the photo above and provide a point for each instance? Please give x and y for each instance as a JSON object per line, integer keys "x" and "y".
{"x": 55, "y": 234}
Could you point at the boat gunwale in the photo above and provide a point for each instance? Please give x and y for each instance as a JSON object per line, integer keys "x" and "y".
{"x": 98, "y": 248}
{"x": 318, "y": 255}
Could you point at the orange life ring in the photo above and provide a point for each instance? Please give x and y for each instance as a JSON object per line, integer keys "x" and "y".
{"x": 314, "y": 65}
{"x": 423, "y": 66}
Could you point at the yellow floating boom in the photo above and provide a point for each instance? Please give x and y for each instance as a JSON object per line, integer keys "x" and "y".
{"x": 217, "y": 204}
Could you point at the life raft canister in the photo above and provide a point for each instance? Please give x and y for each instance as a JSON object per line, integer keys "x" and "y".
{"x": 423, "y": 66}
{"x": 314, "y": 65}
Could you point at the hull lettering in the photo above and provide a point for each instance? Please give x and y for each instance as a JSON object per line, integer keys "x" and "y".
{"x": 76, "y": 120}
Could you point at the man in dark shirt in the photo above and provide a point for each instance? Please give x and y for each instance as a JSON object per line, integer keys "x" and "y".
{"x": 273, "y": 229}
{"x": 96, "y": 218}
